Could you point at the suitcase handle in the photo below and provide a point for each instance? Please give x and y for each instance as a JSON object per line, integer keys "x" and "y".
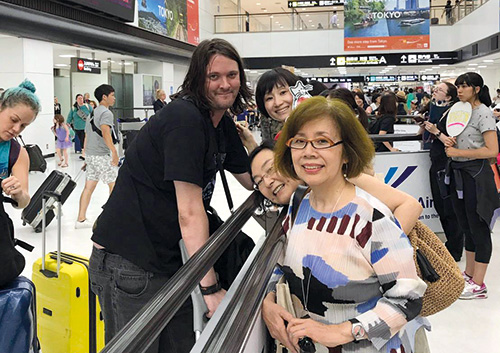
{"x": 45, "y": 196}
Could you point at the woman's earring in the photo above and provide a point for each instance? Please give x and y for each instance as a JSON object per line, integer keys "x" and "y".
{"x": 345, "y": 170}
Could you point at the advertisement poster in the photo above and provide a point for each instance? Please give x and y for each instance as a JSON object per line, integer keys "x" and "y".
{"x": 177, "y": 19}
{"x": 386, "y": 25}
{"x": 149, "y": 86}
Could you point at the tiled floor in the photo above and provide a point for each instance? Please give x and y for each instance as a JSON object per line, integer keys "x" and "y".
{"x": 467, "y": 326}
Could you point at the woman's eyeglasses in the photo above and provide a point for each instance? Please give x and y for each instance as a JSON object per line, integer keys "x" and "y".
{"x": 269, "y": 172}
{"x": 320, "y": 143}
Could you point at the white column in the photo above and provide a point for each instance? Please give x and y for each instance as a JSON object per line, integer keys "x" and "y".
{"x": 168, "y": 79}
{"x": 31, "y": 59}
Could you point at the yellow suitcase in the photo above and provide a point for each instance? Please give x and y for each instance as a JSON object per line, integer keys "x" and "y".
{"x": 69, "y": 318}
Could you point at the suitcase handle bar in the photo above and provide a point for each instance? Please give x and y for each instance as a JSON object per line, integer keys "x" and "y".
{"x": 48, "y": 194}
{"x": 57, "y": 196}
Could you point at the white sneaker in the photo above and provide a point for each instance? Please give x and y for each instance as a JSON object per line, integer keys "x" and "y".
{"x": 473, "y": 290}
{"x": 84, "y": 224}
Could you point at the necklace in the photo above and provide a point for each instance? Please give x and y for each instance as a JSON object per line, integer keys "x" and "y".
{"x": 305, "y": 294}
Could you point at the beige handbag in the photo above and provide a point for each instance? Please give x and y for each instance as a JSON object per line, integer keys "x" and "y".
{"x": 436, "y": 259}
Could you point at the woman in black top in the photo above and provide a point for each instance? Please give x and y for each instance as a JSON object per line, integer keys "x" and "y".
{"x": 384, "y": 124}
{"x": 160, "y": 100}
{"x": 444, "y": 96}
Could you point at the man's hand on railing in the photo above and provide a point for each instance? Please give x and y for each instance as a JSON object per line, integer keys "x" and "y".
{"x": 213, "y": 301}
{"x": 275, "y": 316}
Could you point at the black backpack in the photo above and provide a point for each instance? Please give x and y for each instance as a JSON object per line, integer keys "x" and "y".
{"x": 13, "y": 261}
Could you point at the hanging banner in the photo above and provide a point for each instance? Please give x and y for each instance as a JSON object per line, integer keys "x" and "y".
{"x": 177, "y": 19}
{"x": 386, "y": 25}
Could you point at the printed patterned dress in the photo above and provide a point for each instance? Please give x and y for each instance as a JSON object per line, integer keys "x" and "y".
{"x": 355, "y": 263}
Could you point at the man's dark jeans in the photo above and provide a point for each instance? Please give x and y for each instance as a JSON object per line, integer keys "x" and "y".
{"x": 124, "y": 288}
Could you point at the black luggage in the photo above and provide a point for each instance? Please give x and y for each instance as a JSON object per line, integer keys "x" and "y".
{"x": 56, "y": 182}
{"x": 37, "y": 161}
{"x": 434, "y": 21}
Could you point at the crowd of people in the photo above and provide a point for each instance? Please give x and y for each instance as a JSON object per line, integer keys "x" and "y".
{"x": 356, "y": 281}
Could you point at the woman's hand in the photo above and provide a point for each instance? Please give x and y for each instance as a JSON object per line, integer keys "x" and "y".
{"x": 11, "y": 186}
{"x": 275, "y": 316}
{"x": 327, "y": 335}
{"x": 431, "y": 127}
{"x": 246, "y": 137}
{"x": 452, "y": 151}
{"x": 448, "y": 141}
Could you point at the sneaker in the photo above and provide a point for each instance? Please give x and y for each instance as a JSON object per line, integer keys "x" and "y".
{"x": 473, "y": 290}
{"x": 466, "y": 277}
{"x": 84, "y": 224}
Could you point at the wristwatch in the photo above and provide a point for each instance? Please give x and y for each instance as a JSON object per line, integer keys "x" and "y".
{"x": 358, "y": 332}
{"x": 438, "y": 134}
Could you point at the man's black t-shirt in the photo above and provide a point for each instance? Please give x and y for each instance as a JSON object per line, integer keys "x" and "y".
{"x": 140, "y": 219}
{"x": 384, "y": 123}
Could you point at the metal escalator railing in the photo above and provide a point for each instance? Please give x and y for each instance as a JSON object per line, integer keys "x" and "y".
{"x": 395, "y": 137}
{"x": 148, "y": 323}
{"x": 232, "y": 330}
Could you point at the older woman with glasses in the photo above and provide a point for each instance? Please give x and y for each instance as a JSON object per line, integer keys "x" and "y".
{"x": 347, "y": 262}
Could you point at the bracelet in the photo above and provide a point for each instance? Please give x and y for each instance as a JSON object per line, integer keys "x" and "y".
{"x": 214, "y": 288}
{"x": 438, "y": 134}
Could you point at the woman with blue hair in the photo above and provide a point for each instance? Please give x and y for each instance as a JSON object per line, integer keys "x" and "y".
{"x": 19, "y": 107}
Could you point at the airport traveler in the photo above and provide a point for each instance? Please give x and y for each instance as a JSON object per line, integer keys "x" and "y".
{"x": 19, "y": 107}
{"x": 360, "y": 99}
{"x": 419, "y": 95}
{"x": 473, "y": 192}
{"x": 93, "y": 104}
{"x": 101, "y": 155}
{"x": 401, "y": 99}
{"x": 356, "y": 281}
{"x": 496, "y": 99}
{"x": 162, "y": 191}
{"x": 384, "y": 121}
{"x": 161, "y": 96}
{"x": 57, "y": 106}
{"x": 409, "y": 98}
{"x": 448, "y": 10}
{"x": 443, "y": 97}
{"x": 63, "y": 140}
{"x": 279, "y": 189}
{"x": 77, "y": 117}
{"x": 334, "y": 20}
{"x": 373, "y": 108}
{"x": 348, "y": 98}
{"x": 86, "y": 97}
{"x": 274, "y": 100}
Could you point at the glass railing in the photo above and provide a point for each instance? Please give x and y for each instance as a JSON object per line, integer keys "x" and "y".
{"x": 275, "y": 22}
{"x": 314, "y": 20}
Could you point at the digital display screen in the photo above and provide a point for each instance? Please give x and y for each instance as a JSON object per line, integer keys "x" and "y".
{"x": 122, "y": 9}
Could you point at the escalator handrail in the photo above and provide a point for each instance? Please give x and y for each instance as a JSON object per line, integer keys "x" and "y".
{"x": 395, "y": 137}
{"x": 231, "y": 332}
{"x": 148, "y": 323}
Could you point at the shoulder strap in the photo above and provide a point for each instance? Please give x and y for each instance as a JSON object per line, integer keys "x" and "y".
{"x": 297, "y": 199}
{"x": 15, "y": 149}
{"x": 220, "y": 168}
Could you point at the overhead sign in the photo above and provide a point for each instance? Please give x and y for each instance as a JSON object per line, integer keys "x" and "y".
{"x": 85, "y": 65}
{"x": 318, "y": 3}
{"x": 386, "y": 25}
{"x": 430, "y": 77}
{"x": 121, "y": 9}
{"x": 400, "y": 59}
{"x": 408, "y": 78}
{"x": 339, "y": 79}
{"x": 382, "y": 78}
{"x": 177, "y": 19}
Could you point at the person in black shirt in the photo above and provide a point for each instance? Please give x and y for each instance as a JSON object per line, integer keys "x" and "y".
{"x": 384, "y": 123}
{"x": 443, "y": 97}
{"x": 162, "y": 191}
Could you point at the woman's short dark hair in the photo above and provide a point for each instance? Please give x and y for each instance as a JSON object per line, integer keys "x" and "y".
{"x": 265, "y": 145}
{"x": 360, "y": 96}
{"x": 473, "y": 79}
{"x": 194, "y": 84}
{"x": 277, "y": 77}
{"x": 357, "y": 148}
{"x": 348, "y": 97}
{"x": 388, "y": 104}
